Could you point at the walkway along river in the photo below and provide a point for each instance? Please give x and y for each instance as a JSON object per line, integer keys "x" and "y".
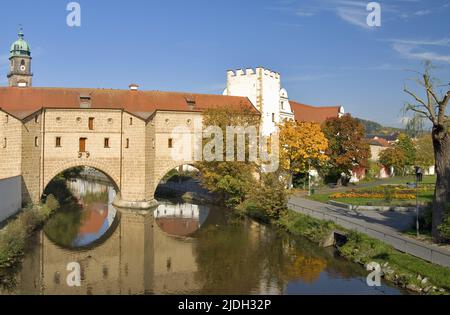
{"x": 179, "y": 248}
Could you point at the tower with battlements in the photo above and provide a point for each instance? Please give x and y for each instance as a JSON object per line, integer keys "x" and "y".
{"x": 263, "y": 88}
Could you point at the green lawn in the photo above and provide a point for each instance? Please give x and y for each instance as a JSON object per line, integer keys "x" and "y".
{"x": 425, "y": 196}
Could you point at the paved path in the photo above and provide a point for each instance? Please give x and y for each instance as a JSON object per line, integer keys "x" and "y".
{"x": 383, "y": 225}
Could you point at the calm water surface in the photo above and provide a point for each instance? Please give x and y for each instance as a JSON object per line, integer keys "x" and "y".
{"x": 179, "y": 248}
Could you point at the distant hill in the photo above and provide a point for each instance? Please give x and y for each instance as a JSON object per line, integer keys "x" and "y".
{"x": 373, "y": 127}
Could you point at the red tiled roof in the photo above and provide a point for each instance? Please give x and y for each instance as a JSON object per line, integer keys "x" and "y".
{"x": 307, "y": 113}
{"x": 177, "y": 226}
{"x": 22, "y": 102}
{"x": 379, "y": 142}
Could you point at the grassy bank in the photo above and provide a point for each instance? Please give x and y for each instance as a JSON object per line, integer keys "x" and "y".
{"x": 16, "y": 233}
{"x": 402, "y": 269}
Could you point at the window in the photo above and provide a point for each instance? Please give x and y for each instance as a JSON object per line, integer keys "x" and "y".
{"x": 131, "y": 121}
{"x": 36, "y": 141}
{"x": 273, "y": 117}
{"x": 83, "y": 144}
{"x": 106, "y": 143}
{"x": 127, "y": 143}
{"x": 36, "y": 119}
{"x": 6, "y": 119}
{"x": 91, "y": 123}
{"x": 170, "y": 143}
{"x": 58, "y": 142}
{"x": 5, "y": 142}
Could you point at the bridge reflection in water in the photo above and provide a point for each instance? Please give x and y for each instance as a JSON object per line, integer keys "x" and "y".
{"x": 178, "y": 248}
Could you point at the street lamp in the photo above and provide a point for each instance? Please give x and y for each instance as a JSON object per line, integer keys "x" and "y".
{"x": 309, "y": 178}
{"x": 419, "y": 175}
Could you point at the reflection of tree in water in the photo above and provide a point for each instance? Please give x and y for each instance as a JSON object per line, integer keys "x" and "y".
{"x": 95, "y": 197}
{"x": 304, "y": 268}
{"x": 64, "y": 225}
{"x": 242, "y": 258}
{"x": 239, "y": 258}
{"x": 228, "y": 260}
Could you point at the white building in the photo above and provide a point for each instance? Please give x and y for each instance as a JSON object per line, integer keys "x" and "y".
{"x": 263, "y": 88}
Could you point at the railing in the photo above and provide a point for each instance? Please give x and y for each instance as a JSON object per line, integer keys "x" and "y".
{"x": 403, "y": 244}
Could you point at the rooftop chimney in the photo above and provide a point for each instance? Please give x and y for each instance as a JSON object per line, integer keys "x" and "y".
{"x": 133, "y": 87}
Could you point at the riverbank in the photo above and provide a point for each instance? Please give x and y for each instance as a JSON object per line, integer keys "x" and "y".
{"x": 16, "y": 233}
{"x": 401, "y": 269}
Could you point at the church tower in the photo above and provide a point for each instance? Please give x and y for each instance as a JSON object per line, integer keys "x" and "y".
{"x": 20, "y": 63}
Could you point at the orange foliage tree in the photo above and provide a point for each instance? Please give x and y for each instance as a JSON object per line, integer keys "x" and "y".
{"x": 301, "y": 144}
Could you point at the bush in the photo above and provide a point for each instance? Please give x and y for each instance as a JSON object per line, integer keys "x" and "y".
{"x": 388, "y": 194}
{"x": 253, "y": 210}
{"x": 302, "y": 225}
{"x": 268, "y": 199}
{"x": 14, "y": 236}
{"x": 444, "y": 228}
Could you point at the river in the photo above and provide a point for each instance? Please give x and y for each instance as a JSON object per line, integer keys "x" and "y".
{"x": 179, "y": 248}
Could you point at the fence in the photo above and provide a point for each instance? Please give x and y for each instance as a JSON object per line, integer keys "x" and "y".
{"x": 403, "y": 244}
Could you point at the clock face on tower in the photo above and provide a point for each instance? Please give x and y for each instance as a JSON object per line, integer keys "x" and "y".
{"x": 22, "y": 68}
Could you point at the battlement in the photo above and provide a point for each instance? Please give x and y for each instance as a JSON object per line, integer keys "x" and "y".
{"x": 250, "y": 72}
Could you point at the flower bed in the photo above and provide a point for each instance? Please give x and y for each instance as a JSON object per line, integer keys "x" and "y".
{"x": 373, "y": 195}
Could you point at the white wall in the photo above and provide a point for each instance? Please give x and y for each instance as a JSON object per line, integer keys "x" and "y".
{"x": 263, "y": 88}
{"x": 10, "y": 196}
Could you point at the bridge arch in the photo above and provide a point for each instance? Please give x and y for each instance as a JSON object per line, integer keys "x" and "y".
{"x": 163, "y": 171}
{"x": 66, "y": 165}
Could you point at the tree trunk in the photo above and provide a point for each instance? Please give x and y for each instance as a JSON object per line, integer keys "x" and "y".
{"x": 441, "y": 143}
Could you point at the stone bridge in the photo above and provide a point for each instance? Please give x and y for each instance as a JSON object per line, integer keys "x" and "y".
{"x": 134, "y": 137}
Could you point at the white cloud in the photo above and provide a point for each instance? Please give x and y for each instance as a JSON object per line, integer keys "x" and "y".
{"x": 353, "y": 16}
{"x": 304, "y": 13}
{"x": 422, "y": 12}
{"x": 308, "y": 77}
{"x": 443, "y": 42}
{"x": 410, "y": 52}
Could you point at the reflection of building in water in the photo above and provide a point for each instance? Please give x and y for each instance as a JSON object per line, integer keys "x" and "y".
{"x": 123, "y": 264}
{"x": 180, "y": 219}
{"x": 98, "y": 213}
{"x": 81, "y": 188}
{"x": 175, "y": 264}
{"x": 137, "y": 258}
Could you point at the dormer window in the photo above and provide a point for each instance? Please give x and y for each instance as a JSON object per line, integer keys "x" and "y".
{"x": 85, "y": 101}
{"x": 190, "y": 102}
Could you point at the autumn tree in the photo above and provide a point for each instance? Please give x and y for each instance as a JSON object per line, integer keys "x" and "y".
{"x": 347, "y": 147}
{"x": 393, "y": 157}
{"x": 301, "y": 144}
{"x": 433, "y": 106}
{"x": 406, "y": 145}
{"x": 230, "y": 179}
{"x": 424, "y": 152}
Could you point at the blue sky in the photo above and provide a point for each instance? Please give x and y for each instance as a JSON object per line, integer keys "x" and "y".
{"x": 323, "y": 49}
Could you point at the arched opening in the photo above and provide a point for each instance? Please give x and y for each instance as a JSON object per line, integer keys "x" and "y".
{"x": 178, "y": 181}
{"x": 86, "y": 216}
{"x": 180, "y": 212}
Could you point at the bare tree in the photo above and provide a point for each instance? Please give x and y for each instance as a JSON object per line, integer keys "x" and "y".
{"x": 434, "y": 109}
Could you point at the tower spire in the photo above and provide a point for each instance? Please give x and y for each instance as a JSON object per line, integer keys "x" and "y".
{"x": 21, "y": 35}
{"x": 20, "y": 62}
